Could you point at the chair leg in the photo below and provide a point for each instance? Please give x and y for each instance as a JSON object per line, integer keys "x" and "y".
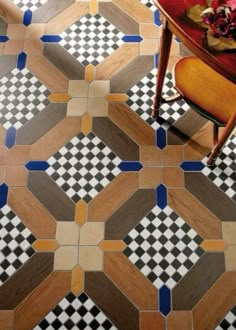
{"x": 215, "y": 133}
{"x": 221, "y": 141}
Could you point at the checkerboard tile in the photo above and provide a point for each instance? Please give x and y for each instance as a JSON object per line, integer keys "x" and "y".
{"x": 22, "y": 96}
{"x": 15, "y": 243}
{"x": 229, "y": 322}
{"x": 149, "y": 4}
{"x": 83, "y": 167}
{"x": 29, "y": 4}
{"x": 76, "y": 313}
{"x": 91, "y": 39}
{"x": 141, "y": 98}
{"x": 224, "y": 173}
{"x": 163, "y": 247}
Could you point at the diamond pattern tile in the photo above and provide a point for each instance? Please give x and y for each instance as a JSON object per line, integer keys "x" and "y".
{"x": 91, "y": 39}
{"x": 229, "y": 322}
{"x": 76, "y": 313}
{"x": 163, "y": 247}
{"x": 224, "y": 173}
{"x": 83, "y": 167}
{"x": 29, "y": 4}
{"x": 15, "y": 243}
{"x": 22, "y": 96}
{"x": 141, "y": 100}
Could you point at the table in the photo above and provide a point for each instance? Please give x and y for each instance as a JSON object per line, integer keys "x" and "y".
{"x": 176, "y": 23}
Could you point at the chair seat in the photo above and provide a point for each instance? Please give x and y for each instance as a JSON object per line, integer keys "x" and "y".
{"x": 204, "y": 87}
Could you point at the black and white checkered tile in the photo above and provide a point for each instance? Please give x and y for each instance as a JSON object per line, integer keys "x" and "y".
{"x": 224, "y": 173}
{"x": 15, "y": 243}
{"x": 83, "y": 167}
{"x": 229, "y": 322}
{"x": 141, "y": 98}
{"x": 22, "y": 96}
{"x": 76, "y": 313}
{"x": 91, "y": 39}
{"x": 29, "y": 4}
{"x": 163, "y": 247}
{"x": 149, "y": 4}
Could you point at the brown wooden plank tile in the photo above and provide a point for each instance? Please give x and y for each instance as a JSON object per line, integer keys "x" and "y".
{"x": 211, "y": 196}
{"x": 63, "y": 61}
{"x": 131, "y": 74}
{"x": 137, "y": 288}
{"x": 115, "y": 138}
{"x": 131, "y": 124}
{"x": 49, "y": 10}
{"x": 116, "y": 61}
{"x": 136, "y": 10}
{"x": 125, "y": 23}
{"x": 66, "y": 18}
{"x": 198, "y": 216}
{"x": 6, "y": 320}
{"x": 217, "y": 302}
{"x": 111, "y": 301}
{"x": 10, "y": 12}
{"x": 37, "y": 218}
{"x": 179, "y": 320}
{"x": 25, "y": 280}
{"x": 43, "y": 299}
{"x": 41, "y": 124}
{"x": 130, "y": 214}
{"x": 50, "y": 76}
{"x": 112, "y": 197}
{"x": 53, "y": 140}
{"x": 51, "y": 196}
{"x": 198, "y": 281}
{"x": 152, "y": 321}
{"x": 7, "y": 63}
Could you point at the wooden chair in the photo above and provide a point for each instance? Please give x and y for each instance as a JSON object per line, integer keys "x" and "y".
{"x": 210, "y": 94}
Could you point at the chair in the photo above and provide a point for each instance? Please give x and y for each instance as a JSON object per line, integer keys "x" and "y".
{"x": 211, "y": 95}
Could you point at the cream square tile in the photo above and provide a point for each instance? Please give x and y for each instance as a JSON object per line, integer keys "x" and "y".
{"x": 230, "y": 258}
{"x": 67, "y": 233}
{"x": 77, "y": 106}
{"x": 97, "y": 106}
{"x": 91, "y": 258}
{"x": 149, "y": 47}
{"x": 78, "y": 88}
{"x": 99, "y": 88}
{"x": 66, "y": 258}
{"x": 229, "y": 232}
{"x": 92, "y": 233}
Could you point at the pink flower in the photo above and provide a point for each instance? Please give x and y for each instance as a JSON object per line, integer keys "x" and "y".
{"x": 231, "y": 4}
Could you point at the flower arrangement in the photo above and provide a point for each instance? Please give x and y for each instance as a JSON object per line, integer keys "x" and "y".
{"x": 218, "y": 17}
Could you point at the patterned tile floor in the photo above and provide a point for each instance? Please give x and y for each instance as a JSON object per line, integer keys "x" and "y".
{"x": 102, "y": 224}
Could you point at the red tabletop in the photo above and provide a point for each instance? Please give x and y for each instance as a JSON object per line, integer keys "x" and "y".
{"x": 223, "y": 62}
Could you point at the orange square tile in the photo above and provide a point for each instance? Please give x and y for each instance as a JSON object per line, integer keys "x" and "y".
{"x": 16, "y": 31}
{"x": 3, "y": 155}
{"x": 149, "y": 177}
{"x": 172, "y": 177}
{"x": 13, "y": 47}
{"x": 16, "y": 176}
{"x": 18, "y": 155}
{"x": 150, "y": 156}
{"x": 172, "y": 156}
{"x": 6, "y": 319}
{"x": 33, "y": 46}
{"x": 2, "y": 174}
{"x": 34, "y": 31}
{"x": 152, "y": 321}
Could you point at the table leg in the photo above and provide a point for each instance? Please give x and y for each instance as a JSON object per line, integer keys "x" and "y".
{"x": 166, "y": 39}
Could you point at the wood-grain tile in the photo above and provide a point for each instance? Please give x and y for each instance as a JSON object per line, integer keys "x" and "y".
{"x": 16, "y": 176}
{"x": 118, "y": 97}
{"x": 25, "y": 280}
{"x": 53, "y": 140}
{"x": 112, "y": 245}
{"x": 66, "y": 18}
{"x": 2, "y": 174}
{"x": 91, "y": 233}
{"x": 37, "y": 218}
{"x": 150, "y": 155}
{"x": 67, "y": 233}
{"x": 150, "y": 177}
{"x": 131, "y": 124}
{"x": 3, "y": 26}
{"x": 45, "y": 245}
{"x": 144, "y": 63}
{"x": 206, "y": 224}
{"x": 213, "y": 245}
{"x": 152, "y": 321}
{"x": 51, "y": 196}
{"x": 16, "y": 31}
{"x": 6, "y": 320}
{"x": 117, "y": 61}
{"x": 111, "y": 301}
{"x": 81, "y": 212}
{"x": 77, "y": 280}
{"x": 49, "y": 10}
{"x": 173, "y": 177}
{"x": 77, "y": 107}
{"x": 148, "y": 47}
{"x": 46, "y": 72}
{"x": 115, "y": 138}
{"x": 225, "y": 290}
{"x": 91, "y": 258}
{"x": 10, "y": 12}
{"x": 150, "y": 31}
{"x": 137, "y": 288}
{"x": 130, "y": 214}
{"x": 125, "y": 24}
{"x": 230, "y": 258}
{"x": 3, "y": 155}
{"x": 34, "y": 31}
{"x": 66, "y": 258}
{"x": 18, "y": 155}
{"x": 136, "y": 10}
{"x": 113, "y": 196}
{"x": 7, "y": 63}
{"x": 211, "y": 196}
{"x": 64, "y": 62}
{"x": 179, "y": 320}
{"x": 13, "y": 47}
{"x": 33, "y": 47}
{"x": 78, "y": 88}
{"x": 229, "y": 232}
{"x": 172, "y": 155}
{"x": 97, "y": 106}
{"x": 202, "y": 276}
{"x": 43, "y": 299}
